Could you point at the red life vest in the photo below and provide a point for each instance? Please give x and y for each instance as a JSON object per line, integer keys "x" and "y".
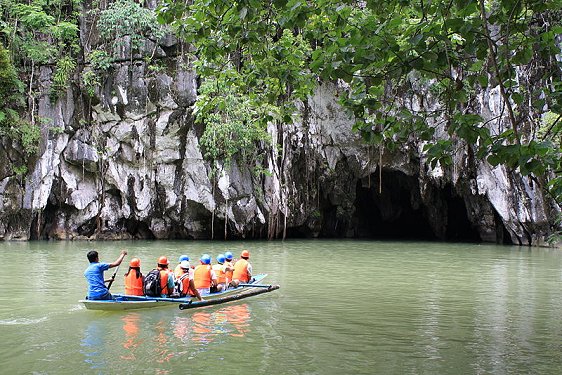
{"x": 133, "y": 284}
{"x": 202, "y": 277}
{"x": 241, "y": 270}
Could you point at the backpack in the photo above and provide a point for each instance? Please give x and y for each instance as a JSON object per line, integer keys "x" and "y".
{"x": 152, "y": 287}
{"x": 178, "y": 285}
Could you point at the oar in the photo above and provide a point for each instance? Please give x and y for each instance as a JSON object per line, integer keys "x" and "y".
{"x": 113, "y": 277}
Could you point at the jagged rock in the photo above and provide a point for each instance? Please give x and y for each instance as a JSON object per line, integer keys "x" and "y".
{"x": 81, "y": 154}
{"x": 135, "y": 169}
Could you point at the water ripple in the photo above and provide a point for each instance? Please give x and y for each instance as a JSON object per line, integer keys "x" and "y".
{"x": 22, "y": 321}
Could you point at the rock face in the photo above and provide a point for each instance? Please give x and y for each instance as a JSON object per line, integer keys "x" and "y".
{"x": 128, "y": 165}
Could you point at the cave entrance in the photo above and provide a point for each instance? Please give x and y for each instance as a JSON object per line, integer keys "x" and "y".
{"x": 458, "y": 226}
{"x": 398, "y": 212}
{"x": 394, "y": 213}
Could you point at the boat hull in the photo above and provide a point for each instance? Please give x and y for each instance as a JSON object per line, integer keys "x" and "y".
{"x": 126, "y": 302}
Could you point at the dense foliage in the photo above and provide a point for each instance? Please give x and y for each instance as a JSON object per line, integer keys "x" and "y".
{"x": 388, "y": 54}
{"x": 38, "y": 33}
{"x": 34, "y": 33}
{"x": 10, "y": 89}
{"x": 128, "y": 18}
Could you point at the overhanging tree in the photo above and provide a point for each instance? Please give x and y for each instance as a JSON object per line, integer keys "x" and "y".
{"x": 273, "y": 53}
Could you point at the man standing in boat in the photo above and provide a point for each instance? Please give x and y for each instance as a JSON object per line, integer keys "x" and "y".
{"x": 94, "y": 275}
{"x": 242, "y": 269}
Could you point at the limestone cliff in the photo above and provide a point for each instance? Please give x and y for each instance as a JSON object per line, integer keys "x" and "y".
{"x": 127, "y": 163}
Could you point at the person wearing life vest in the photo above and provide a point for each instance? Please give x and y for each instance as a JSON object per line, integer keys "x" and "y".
{"x": 134, "y": 279}
{"x": 230, "y": 264}
{"x": 204, "y": 276}
{"x": 177, "y": 270}
{"x": 220, "y": 270}
{"x": 166, "y": 277}
{"x": 242, "y": 269}
{"x": 94, "y": 276}
{"x": 185, "y": 286}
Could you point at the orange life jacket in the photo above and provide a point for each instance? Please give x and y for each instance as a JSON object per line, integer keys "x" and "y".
{"x": 219, "y": 272}
{"x": 133, "y": 284}
{"x": 229, "y": 273}
{"x": 164, "y": 280}
{"x": 202, "y": 277}
{"x": 241, "y": 271}
{"x": 185, "y": 281}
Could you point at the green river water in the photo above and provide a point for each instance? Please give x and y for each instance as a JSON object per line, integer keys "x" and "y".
{"x": 344, "y": 307}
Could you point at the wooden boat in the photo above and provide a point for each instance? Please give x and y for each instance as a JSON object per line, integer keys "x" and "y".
{"x": 126, "y": 302}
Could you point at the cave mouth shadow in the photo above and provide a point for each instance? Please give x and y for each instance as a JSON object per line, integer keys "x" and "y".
{"x": 397, "y": 212}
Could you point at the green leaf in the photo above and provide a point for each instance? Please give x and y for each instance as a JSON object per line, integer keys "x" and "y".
{"x": 494, "y": 160}
{"x": 523, "y": 56}
{"x": 517, "y": 98}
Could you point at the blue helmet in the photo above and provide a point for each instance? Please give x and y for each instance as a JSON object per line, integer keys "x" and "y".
{"x": 220, "y": 258}
{"x": 184, "y": 257}
{"x": 228, "y": 255}
{"x": 205, "y": 259}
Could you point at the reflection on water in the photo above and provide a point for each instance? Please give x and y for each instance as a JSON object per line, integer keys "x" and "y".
{"x": 174, "y": 335}
{"x": 163, "y": 350}
{"x": 205, "y": 327}
{"x": 132, "y": 340}
{"x": 93, "y": 345}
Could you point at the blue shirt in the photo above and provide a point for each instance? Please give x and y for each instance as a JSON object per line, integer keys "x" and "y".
{"x": 94, "y": 276}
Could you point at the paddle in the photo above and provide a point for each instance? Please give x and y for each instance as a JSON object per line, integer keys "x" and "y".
{"x": 113, "y": 277}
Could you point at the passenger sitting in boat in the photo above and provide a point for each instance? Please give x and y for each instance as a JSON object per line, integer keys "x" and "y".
{"x": 166, "y": 277}
{"x": 134, "y": 280}
{"x": 177, "y": 270}
{"x": 185, "y": 285}
{"x": 204, "y": 276}
{"x": 242, "y": 269}
{"x": 230, "y": 264}
{"x": 94, "y": 275}
{"x": 220, "y": 270}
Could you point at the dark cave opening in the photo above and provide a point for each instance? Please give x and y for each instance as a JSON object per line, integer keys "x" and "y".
{"x": 47, "y": 218}
{"x": 333, "y": 225}
{"x": 396, "y": 211}
{"x": 391, "y": 212}
{"x": 458, "y": 228}
{"x": 137, "y": 229}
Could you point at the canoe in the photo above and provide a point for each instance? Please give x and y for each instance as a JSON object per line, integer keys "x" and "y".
{"x": 126, "y": 302}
